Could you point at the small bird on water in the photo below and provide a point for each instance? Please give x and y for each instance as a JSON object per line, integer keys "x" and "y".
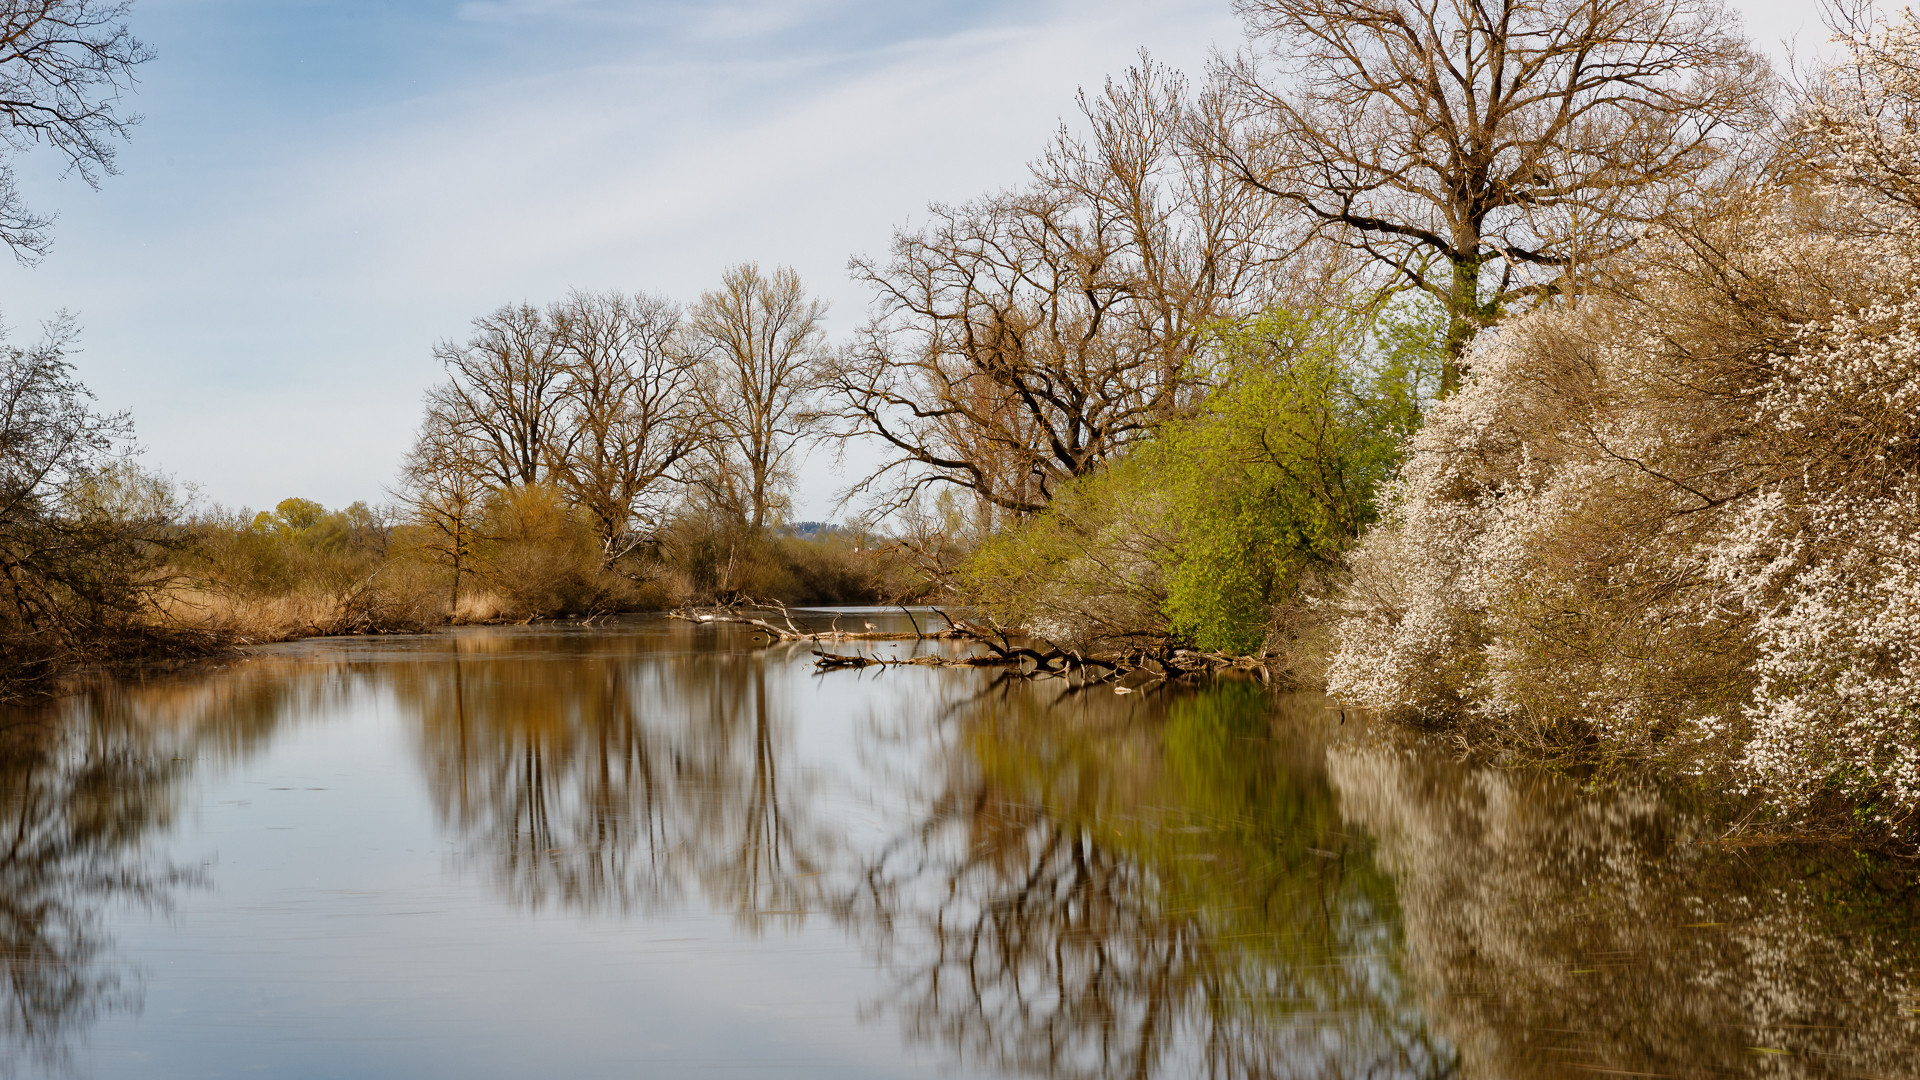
{"x": 869, "y": 625}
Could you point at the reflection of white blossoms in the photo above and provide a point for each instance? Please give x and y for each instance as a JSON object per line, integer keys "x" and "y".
{"x": 1551, "y": 928}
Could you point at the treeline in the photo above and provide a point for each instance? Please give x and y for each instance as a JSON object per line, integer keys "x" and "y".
{"x": 302, "y": 570}
{"x": 619, "y": 451}
{"x": 606, "y": 453}
{"x": 1147, "y": 396}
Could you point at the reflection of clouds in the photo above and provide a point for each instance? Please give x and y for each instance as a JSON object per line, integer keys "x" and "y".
{"x": 1553, "y": 928}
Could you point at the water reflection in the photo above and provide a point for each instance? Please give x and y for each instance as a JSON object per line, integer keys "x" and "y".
{"x": 579, "y": 776}
{"x": 1221, "y": 885}
{"x": 1558, "y": 931}
{"x": 1050, "y": 883}
{"x": 1147, "y": 888}
{"x": 79, "y": 804}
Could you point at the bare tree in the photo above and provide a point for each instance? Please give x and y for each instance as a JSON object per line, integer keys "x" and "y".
{"x": 83, "y": 531}
{"x": 504, "y": 394}
{"x": 629, "y": 417}
{"x": 443, "y": 487}
{"x": 761, "y": 346}
{"x": 1025, "y": 338}
{"x": 63, "y": 66}
{"x": 1485, "y": 149}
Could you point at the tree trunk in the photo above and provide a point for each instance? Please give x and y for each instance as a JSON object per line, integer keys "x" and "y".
{"x": 1463, "y": 319}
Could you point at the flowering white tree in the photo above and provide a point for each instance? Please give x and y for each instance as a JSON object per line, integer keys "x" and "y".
{"x": 1686, "y": 523}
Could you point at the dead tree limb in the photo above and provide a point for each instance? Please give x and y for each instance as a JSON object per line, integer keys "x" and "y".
{"x": 786, "y": 629}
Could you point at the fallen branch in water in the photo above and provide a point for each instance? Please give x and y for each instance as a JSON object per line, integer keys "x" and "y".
{"x": 830, "y": 661}
{"x": 1166, "y": 665}
{"x": 1001, "y": 652}
{"x": 738, "y": 615}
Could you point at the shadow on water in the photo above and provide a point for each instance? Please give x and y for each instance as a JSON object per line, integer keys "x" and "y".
{"x": 1200, "y": 883}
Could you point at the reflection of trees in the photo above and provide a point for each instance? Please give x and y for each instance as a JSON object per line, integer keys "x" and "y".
{"x": 78, "y": 799}
{"x": 603, "y": 777}
{"x": 1096, "y": 885}
{"x": 1104, "y": 889}
{"x": 1560, "y": 932}
{"x": 86, "y": 784}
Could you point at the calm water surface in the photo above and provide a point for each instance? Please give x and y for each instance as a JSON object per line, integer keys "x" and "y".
{"x": 651, "y": 849}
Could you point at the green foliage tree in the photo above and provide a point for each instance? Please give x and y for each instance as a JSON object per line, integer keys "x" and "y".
{"x": 299, "y": 515}
{"x": 1277, "y": 474}
{"x": 1198, "y": 534}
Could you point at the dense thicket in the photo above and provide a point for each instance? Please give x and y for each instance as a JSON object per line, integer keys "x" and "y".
{"x": 1684, "y": 521}
{"x": 83, "y": 532}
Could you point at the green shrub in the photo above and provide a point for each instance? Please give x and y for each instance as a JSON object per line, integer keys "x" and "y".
{"x": 1200, "y": 534}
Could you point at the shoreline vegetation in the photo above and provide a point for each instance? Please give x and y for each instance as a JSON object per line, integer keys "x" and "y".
{"x": 1567, "y": 405}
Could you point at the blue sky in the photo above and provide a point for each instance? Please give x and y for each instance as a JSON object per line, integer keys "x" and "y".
{"x": 321, "y": 190}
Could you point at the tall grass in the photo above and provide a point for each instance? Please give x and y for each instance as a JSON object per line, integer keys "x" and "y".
{"x": 302, "y": 570}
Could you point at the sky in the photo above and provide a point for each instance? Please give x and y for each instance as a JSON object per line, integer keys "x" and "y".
{"x": 320, "y": 190}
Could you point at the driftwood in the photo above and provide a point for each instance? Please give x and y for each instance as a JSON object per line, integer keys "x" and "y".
{"x": 740, "y": 615}
{"x": 1103, "y": 667}
{"x": 1164, "y": 665}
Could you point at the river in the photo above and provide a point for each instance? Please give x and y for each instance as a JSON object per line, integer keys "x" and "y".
{"x": 645, "y": 848}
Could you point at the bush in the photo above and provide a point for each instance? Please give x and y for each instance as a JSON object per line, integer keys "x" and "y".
{"x": 1277, "y": 475}
{"x": 297, "y": 571}
{"x": 83, "y": 531}
{"x": 540, "y": 556}
{"x": 704, "y": 559}
{"x": 1682, "y": 524}
{"x": 1207, "y": 534}
{"x": 303, "y": 570}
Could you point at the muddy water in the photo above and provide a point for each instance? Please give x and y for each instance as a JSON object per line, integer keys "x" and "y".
{"x": 650, "y": 849}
